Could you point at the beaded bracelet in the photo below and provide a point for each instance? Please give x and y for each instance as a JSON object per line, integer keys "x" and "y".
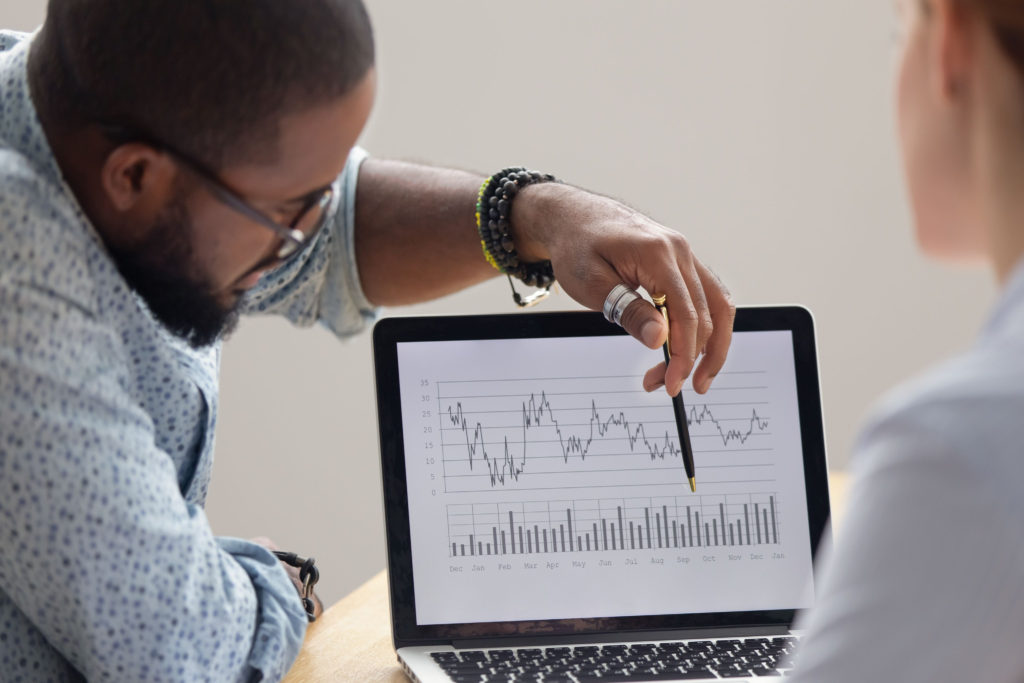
{"x": 493, "y": 208}
{"x": 308, "y": 576}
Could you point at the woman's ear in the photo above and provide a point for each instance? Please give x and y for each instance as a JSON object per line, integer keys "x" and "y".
{"x": 952, "y": 50}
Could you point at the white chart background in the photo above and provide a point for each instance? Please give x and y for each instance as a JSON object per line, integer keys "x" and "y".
{"x": 540, "y": 426}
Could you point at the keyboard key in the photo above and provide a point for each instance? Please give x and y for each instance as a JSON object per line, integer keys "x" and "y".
{"x": 461, "y": 666}
{"x": 502, "y": 655}
{"x": 590, "y": 672}
{"x": 766, "y": 671}
{"x": 444, "y": 656}
{"x": 663, "y": 676}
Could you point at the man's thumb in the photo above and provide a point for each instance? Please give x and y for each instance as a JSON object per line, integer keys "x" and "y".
{"x": 644, "y": 322}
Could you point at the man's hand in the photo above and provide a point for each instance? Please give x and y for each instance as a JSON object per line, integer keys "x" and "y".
{"x": 293, "y": 574}
{"x": 595, "y": 243}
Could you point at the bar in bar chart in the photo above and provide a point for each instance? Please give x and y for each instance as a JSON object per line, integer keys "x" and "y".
{"x": 625, "y": 524}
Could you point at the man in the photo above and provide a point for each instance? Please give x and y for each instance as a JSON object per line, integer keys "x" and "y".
{"x": 166, "y": 166}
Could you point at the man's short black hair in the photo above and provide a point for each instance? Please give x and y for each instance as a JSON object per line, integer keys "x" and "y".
{"x": 210, "y": 77}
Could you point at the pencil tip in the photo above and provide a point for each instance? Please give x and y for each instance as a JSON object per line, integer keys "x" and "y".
{"x": 693, "y": 484}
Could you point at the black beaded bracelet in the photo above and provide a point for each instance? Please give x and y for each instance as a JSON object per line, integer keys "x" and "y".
{"x": 308, "y": 576}
{"x": 493, "y": 208}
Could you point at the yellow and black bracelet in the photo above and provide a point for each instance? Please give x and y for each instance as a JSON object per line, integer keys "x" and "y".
{"x": 493, "y": 208}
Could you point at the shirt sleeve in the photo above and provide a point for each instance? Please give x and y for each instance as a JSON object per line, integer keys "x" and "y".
{"x": 321, "y": 283}
{"x": 926, "y": 582}
{"x": 102, "y": 555}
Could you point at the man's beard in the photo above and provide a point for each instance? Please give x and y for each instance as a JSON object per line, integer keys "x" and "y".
{"x": 161, "y": 269}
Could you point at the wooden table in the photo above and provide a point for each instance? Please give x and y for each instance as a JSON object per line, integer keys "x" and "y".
{"x": 352, "y": 640}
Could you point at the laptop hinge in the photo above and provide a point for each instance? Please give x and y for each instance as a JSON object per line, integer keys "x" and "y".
{"x": 630, "y": 636}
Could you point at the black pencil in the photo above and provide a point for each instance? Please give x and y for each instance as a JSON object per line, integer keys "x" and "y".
{"x": 678, "y": 407}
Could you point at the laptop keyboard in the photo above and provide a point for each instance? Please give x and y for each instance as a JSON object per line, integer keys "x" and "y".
{"x": 663, "y": 661}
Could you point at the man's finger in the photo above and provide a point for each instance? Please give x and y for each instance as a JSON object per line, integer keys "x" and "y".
{"x": 690, "y": 325}
{"x": 723, "y": 313}
{"x": 684, "y": 323}
{"x": 265, "y": 542}
{"x": 640, "y": 319}
{"x": 655, "y": 377}
{"x": 644, "y": 322}
{"x": 699, "y": 300}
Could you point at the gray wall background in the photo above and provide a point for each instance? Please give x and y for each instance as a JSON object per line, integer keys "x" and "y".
{"x": 761, "y": 130}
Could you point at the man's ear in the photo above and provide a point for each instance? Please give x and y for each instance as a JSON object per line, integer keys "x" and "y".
{"x": 953, "y": 49}
{"x": 135, "y": 175}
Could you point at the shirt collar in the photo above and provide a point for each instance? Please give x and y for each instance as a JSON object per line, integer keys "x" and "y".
{"x": 32, "y": 143}
{"x": 1008, "y": 313}
{"x": 19, "y": 109}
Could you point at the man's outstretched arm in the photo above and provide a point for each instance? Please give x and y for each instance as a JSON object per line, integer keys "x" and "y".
{"x": 416, "y": 239}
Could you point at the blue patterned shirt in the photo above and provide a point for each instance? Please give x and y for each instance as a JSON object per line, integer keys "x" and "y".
{"x": 108, "y": 567}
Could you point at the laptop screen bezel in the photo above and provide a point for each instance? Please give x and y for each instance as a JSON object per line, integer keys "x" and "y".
{"x": 389, "y": 332}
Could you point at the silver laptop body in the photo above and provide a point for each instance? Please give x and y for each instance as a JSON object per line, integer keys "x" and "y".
{"x": 539, "y": 522}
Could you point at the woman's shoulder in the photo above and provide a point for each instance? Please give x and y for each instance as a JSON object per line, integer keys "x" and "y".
{"x": 970, "y": 407}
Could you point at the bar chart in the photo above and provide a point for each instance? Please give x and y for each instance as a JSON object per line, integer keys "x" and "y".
{"x": 608, "y": 525}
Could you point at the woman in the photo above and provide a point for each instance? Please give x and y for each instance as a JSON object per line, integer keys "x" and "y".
{"x": 927, "y": 579}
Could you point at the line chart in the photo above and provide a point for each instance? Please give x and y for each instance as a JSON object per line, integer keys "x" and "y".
{"x": 586, "y": 432}
{"x": 533, "y": 415}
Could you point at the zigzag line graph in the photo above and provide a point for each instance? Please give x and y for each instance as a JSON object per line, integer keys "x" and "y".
{"x": 512, "y": 459}
{"x": 705, "y": 415}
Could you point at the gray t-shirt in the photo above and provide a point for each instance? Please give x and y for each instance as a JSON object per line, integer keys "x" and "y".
{"x": 926, "y": 581}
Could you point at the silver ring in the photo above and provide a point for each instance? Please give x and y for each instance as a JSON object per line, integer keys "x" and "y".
{"x": 617, "y": 301}
{"x": 611, "y": 299}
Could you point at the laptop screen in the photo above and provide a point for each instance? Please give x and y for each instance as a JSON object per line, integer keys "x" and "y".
{"x": 543, "y": 483}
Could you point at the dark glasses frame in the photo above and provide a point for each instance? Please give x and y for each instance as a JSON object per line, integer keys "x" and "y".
{"x": 292, "y": 239}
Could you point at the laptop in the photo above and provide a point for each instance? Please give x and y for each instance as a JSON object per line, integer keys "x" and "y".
{"x": 540, "y": 525}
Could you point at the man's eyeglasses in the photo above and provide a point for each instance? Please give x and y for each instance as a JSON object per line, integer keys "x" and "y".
{"x": 299, "y": 231}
